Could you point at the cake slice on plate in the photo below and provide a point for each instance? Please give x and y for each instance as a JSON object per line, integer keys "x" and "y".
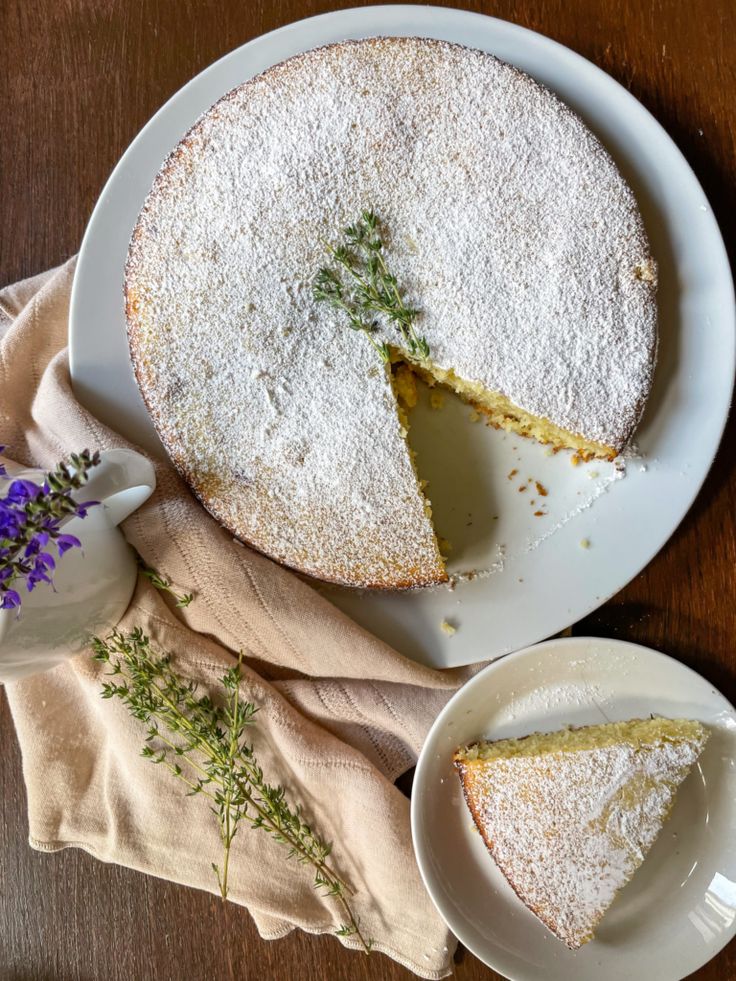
{"x": 569, "y": 816}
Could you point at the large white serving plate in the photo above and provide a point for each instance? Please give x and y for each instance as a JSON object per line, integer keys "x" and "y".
{"x": 540, "y": 578}
{"x": 679, "y": 909}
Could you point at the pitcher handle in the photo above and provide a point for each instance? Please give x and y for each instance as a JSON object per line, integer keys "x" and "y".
{"x": 122, "y": 482}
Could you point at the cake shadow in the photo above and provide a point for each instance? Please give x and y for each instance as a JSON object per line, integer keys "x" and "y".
{"x": 450, "y": 456}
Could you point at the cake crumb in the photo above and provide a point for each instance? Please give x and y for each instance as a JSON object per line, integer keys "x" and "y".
{"x": 645, "y": 272}
{"x": 541, "y": 489}
{"x": 585, "y": 543}
{"x": 474, "y": 416}
{"x": 444, "y": 545}
{"x": 592, "y": 474}
{"x": 436, "y": 398}
{"x": 539, "y": 514}
{"x": 522, "y": 488}
{"x": 448, "y": 628}
{"x": 511, "y": 474}
{"x": 575, "y": 460}
{"x": 405, "y": 385}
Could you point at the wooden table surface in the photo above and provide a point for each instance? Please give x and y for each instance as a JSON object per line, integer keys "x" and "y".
{"x": 78, "y": 79}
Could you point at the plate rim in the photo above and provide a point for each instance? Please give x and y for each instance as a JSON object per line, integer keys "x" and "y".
{"x": 543, "y": 649}
{"x": 422, "y": 15}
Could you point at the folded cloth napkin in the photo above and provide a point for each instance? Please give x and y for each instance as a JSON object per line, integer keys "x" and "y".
{"x": 341, "y": 713}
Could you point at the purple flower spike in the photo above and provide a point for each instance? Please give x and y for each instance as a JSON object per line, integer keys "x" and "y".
{"x": 65, "y": 542}
{"x": 32, "y": 518}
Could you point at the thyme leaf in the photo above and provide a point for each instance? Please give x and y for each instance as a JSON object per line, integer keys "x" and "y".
{"x": 360, "y": 285}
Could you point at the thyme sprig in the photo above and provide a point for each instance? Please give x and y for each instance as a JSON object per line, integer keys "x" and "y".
{"x": 162, "y": 584}
{"x": 360, "y": 284}
{"x": 202, "y": 743}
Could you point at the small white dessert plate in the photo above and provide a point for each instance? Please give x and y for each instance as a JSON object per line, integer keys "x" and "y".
{"x": 536, "y": 578}
{"x": 679, "y": 909}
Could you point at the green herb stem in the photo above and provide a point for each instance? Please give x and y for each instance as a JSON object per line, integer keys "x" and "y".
{"x": 162, "y": 584}
{"x": 369, "y": 289}
{"x": 228, "y": 773}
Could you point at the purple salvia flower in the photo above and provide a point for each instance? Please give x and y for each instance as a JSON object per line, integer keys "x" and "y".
{"x": 9, "y": 600}
{"x": 40, "y": 572}
{"x": 31, "y": 518}
{"x": 81, "y": 509}
{"x": 65, "y": 542}
{"x": 22, "y": 491}
{"x": 45, "y": 561}
{"x": 10, "y": 522}
{"x": 40, "y": 540}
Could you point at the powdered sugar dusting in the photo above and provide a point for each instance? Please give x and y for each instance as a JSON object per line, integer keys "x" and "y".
{"x": 569, "y": 829}
{"x": 511, "y": 230}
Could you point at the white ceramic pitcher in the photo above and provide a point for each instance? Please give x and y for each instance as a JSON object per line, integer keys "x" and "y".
{"x": 92, "y": 584}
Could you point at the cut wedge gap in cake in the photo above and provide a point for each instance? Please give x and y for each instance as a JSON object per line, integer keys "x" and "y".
{"x": 405, "y": 375}
{"x": 569, "y": 816}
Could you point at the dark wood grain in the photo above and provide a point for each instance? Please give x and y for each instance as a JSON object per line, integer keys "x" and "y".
{"x": 78, "y": 79}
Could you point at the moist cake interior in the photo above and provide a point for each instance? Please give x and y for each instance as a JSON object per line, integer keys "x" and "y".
{"x": 499, "y": 411}
{"x": 636, "y": 733}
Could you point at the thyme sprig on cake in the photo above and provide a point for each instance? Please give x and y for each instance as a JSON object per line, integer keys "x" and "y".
{"x": 360, "y": 284}
{"x": 202, "y": 742}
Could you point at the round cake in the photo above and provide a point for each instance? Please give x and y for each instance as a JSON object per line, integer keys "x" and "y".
{"x": 505, "y": 224}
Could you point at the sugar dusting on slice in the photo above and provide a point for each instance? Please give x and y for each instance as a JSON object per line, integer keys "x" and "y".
{"x": 569, "y": 829}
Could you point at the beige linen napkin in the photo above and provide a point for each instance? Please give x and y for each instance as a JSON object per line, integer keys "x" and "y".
{"x": 341, "y": 713}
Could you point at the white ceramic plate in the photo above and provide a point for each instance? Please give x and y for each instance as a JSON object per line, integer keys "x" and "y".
{"x": 679, "y": 910}
{"x": 539, "y": 578}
